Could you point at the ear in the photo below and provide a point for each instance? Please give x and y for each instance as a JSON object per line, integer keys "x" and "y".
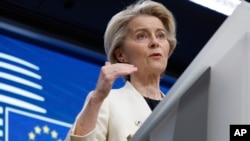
{"x": 120, "y": 56}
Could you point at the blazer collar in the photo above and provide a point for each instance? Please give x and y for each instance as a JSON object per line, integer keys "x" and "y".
{"x": 129, "y": 86}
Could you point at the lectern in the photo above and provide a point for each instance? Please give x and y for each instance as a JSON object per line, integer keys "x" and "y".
{"x": 212, "y": 93}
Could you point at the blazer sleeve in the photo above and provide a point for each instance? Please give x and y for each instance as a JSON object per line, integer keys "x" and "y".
{"x": 101, "y": 130}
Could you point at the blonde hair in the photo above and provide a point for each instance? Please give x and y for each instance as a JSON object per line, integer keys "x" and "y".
{"x": 117, "y": 26}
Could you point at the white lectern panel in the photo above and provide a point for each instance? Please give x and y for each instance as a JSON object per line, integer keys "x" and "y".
{"x": 230, "y": 91}
{"x": 212, "y": 93}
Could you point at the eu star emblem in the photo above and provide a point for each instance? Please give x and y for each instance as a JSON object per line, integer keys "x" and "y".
{"x": 30, "y": 127}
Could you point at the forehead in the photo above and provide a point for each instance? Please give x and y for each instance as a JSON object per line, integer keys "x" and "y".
{"x": 145, "y": 22}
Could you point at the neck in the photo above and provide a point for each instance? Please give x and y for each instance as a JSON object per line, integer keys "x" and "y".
{"x": 147, "y": 86}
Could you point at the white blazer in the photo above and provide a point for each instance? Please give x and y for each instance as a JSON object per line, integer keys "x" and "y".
{"x": 121, "y": 114}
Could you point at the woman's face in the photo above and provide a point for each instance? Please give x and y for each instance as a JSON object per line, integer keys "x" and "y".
{"x": 146, "y": 45}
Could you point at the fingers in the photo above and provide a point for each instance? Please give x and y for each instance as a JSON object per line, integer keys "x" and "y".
{"x": 121, "y": 70}
{"x": 118, "y": 69}
{"x": 110, "y": 72}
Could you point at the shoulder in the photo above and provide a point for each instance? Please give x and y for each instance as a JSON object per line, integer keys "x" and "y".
{"x": 127, "y": 90}
{"x": 119, "y": 92}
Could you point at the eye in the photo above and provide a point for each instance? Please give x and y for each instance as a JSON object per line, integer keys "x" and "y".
{"x": 161, "y": 35}
{"x": 141, "y": 36}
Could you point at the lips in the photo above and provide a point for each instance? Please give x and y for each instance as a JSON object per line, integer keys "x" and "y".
{"x": 155, "y": 55}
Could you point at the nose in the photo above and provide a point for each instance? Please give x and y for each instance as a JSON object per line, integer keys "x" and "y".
{"x": 154, "y": 42}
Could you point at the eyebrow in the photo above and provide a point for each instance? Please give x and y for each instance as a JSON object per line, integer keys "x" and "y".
{"x": 145, "y": 29}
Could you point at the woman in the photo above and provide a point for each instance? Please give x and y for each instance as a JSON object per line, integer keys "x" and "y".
{"x": 138, "y": 42}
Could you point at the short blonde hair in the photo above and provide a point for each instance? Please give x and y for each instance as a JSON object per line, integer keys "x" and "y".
{"x": 117, "y": 26}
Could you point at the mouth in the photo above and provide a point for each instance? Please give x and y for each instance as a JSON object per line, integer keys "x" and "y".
{"x": 155, "y": 55}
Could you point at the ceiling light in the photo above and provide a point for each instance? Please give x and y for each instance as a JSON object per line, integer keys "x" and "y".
{"x": 225, "y": 7}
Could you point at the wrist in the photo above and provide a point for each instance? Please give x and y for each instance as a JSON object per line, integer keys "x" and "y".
{"x": 97, "y": 97}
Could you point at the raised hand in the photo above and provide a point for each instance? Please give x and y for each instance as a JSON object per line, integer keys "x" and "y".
{"x": 109, "y": 73}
